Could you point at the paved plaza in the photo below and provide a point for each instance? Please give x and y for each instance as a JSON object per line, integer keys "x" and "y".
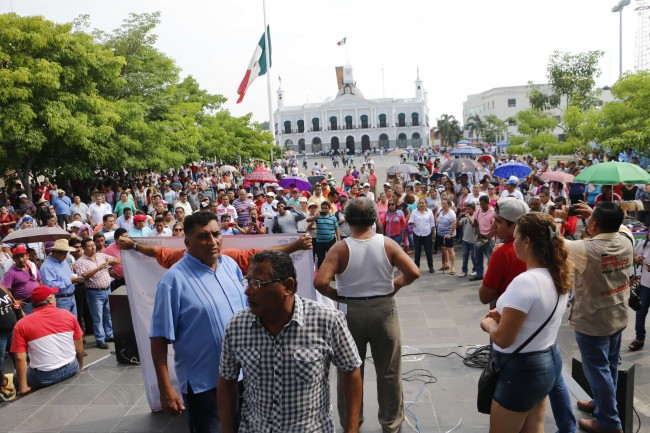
{"x": 439, "y": 314}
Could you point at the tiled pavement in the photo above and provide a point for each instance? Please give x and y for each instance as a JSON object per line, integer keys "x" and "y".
{"x": 439, "y": 314}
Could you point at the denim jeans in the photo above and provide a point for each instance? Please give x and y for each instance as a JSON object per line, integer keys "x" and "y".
{"x": 101, "y": 314}
{"x": 478, "y": 256}
{"x": 202, "y": 412}
{"x": 67, "y": 304}
{"x": 642, "y": 313}
{"x": 5, "y": 343}
{"x": 562, "y": 407}
{"x": 600, "y": 365}
{"x": 468, "y": 251}
{"x": 39, "y": 379}
{"x": 27, "y": 308}
{"x": 396, "y": 238}
{"x": 427, "y": 243}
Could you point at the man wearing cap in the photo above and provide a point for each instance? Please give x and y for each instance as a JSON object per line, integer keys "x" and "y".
{"x": 140, "y": 229}
{"x": 93, "y": 268}
{"x": 286, "y": 221}
{"x": 511, "y": 189}
{"x": 242, "y": 207}
{"x": 52, "y": 338}
{"x": 293, "y": 200}
{"x": 504, "y": 264}
{"x": 56, "y": 272}
{"x": 268, "y": 209}
{"x": 22, "y": 278}
{"x": 26, "y": 205}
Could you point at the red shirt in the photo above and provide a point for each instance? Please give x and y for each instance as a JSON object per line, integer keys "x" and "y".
{"x": 503, "y": 267}
{"x": 348, "y": 180}
{"x": 6, "y": 219}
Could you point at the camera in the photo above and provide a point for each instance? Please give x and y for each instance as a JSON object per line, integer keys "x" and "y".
{"x": 572, "y": 211}
{"x": 323, "y": 213}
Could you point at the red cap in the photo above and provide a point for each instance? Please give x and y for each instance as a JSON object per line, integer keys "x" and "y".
{"x": 139, "y": 218}
{"x": 19, "y": 250}
{"x": 41, "y": 293}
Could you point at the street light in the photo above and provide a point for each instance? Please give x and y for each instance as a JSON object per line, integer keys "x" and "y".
{"x": 619, "y": 8}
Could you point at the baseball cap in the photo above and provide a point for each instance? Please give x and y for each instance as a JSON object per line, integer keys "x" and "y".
{"x": 250, "y": 194}
{"x": 270, "y": 194}
{"x": 139, "y": 218}
{"x": 295, "y": 190}
{"x": 22, "y": 196}
{"x": 61, "y": 191}
{"x": 76, "y": 224}
{"x": 19, "y": 250}
{"x": 311, "y": 203}
{"x": 41, "y": 293}
{"x": 323, "y": 181}
{"x": 302, "y": 200}
{"x": 513, "y": 180}
{"x": 366, "y": 185}
{"x": 510, "y": 208}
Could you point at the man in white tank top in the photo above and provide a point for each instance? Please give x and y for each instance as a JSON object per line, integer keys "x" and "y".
{"x": 363, "y": 265}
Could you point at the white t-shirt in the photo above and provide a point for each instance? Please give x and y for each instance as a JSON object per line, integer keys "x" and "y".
{"x": 516, "y": 194}
{"x": 533, "y": 293}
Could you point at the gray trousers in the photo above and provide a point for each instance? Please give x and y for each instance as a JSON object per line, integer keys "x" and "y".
{"x": 376, "y": 322}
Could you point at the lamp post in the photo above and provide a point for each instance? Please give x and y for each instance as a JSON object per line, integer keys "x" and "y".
{"x": 619, "y": 8}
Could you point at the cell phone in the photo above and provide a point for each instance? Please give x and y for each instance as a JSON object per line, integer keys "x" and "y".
{"x": 231, "y": 224}
{"x": 572, "y": 211}
{"x": 323, "y": 212}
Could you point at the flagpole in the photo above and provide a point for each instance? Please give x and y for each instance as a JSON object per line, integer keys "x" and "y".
{"x": 267, "y": 44}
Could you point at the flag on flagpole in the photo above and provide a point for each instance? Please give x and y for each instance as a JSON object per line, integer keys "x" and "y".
{"x": 257, "y": 66}
{"x": 341, "y": 42}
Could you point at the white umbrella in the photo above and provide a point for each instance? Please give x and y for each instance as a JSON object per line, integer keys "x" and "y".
{"x": 36, "y": 234}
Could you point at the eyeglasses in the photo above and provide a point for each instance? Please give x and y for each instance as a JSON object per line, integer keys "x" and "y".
{"x": 256, "y": 284}
{"x": 178, "y": 230}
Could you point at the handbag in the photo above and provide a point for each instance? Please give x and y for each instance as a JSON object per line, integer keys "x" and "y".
{"x": 634, "y": 301}
{"x": 487, "y": 383}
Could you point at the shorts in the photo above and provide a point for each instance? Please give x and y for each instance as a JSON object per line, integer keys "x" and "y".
{"x": 441, "y": 241}
{"x": 527, "y": 378}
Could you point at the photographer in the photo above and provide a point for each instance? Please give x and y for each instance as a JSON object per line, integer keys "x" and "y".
{"x": 564, "y": 215}
{"x": 286, "y": 220}
{"x": 228, "y": 227}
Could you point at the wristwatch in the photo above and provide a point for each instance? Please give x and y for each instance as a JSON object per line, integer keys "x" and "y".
{"x": 558, "y": 220}
{"x": 135, "y": 246}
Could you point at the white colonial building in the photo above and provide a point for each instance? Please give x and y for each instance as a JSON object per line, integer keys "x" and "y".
{"x": 353, "y": 123}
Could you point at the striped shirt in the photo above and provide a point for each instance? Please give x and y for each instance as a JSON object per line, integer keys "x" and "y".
{"x": 326, "y": 228}
{"x": 101, "y": 279}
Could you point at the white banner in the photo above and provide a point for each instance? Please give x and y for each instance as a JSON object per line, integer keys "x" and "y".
{"x": 143, "y": 273}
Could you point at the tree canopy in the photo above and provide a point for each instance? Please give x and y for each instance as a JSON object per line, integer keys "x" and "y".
{"x": 74, "y": 100}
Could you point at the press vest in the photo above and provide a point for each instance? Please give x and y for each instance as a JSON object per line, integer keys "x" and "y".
{"x": 601, "y": 291}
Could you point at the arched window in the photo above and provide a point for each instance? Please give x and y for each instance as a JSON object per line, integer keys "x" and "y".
{"x": 415, "y": 119}
{"x": 316, "y": 145}
{"x": 334, "y": 143}
{"x": 301, "y": 125}
{"x": 382, "y": 121}
{"x": 315, "y": 124}
{"x": 365, "y": 143}
{"x": 364, "y": 121}
{"x": 301, "y": 145}
{"x": 401, "y": 141}
{"x": 333, "y": 123}
{"x": 348, "y": 122}
{"x": 416, "y": 141}
{"x": 401, "y": 119}
{"x": 288, "y": 145}
{"x": 287, "y": 127}
{"x": 383, "y": 141}
{"x": 349, "y": 145}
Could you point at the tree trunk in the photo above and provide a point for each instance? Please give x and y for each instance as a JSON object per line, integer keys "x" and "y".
{"x": 23, "y": 175}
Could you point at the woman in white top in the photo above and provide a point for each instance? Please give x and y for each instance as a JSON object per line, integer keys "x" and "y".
{"x": 527, "y": 377}
{"x": 423, "y": 224}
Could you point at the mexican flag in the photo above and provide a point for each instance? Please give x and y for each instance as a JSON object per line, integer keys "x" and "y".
{"x": 341, "y": 42}
{"x": 257, "y": 66}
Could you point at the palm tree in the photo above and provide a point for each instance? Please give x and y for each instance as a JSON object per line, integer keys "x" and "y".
{"x": 448, "y": 130}
{"x": 476, "y": 125}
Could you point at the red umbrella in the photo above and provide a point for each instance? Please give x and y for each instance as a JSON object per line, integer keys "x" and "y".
{"x": 557, "y": 176}
{"x": 261, "y": 176}
{"x": 485, "y": 159}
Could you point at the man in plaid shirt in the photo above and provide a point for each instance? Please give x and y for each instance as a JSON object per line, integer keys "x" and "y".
{"x": 284, "y": 344}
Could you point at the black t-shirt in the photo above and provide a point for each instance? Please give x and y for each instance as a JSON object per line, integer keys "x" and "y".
{"x": 7, "y": 315}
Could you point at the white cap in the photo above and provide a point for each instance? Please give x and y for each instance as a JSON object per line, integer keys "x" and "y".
{"x": 22, "y": 196}
{"x": 302, "y": 200}
{"x": 270, "y": 194}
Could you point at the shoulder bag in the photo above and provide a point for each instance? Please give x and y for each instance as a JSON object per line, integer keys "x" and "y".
{"x": 487, "y": 383}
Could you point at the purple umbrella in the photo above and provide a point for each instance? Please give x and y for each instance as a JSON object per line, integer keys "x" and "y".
{"x": 299, "y": 182}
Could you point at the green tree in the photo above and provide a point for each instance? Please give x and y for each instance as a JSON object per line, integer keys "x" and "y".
{"x": 572, "y": 78}
{"x": 448, "y": 130}
{"x": 535, "y": 136}
{"x": 493, "y": 128}
{"x": 476, "y": 125}
{"x": 52, "y": 115}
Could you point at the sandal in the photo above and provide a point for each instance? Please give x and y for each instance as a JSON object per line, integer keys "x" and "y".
{"x": 452, "y": 273}
{"x": 636, "y": 345}
{"x": 444, "y": 268}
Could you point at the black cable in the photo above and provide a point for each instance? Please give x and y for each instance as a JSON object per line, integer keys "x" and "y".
{"x": 638, "y": 418}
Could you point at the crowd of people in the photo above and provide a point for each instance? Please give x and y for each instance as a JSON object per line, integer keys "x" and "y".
{"x": 519, "y": 235}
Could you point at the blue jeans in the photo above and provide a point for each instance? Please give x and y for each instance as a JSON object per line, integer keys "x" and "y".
{"x": 562, "y": 407}
{"x": 600, "y": 365}
{"x": 478, "y": 256}
{"x": 27, "y": 308}
{"x": 639, "y": 326}
{"x": 39, "y": 379}
{"x": 5, "y": 342}
{"x": 468, "y": 250}
{"x": 67, "y": 304}
{"x": 101, "y": 314}
{"x": 202, "y": 412}
{"x": 397, "y": 238}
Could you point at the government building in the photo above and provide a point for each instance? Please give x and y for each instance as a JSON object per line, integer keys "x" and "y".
{"x": 352, "y": 123}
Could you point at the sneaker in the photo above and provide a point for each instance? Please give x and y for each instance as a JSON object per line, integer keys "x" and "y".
{"x": 472, "y": 274}
{"x": 475, "y": 278}
{"x": 463, "y": 274}
{"x": 103, "y": 345}
{"x": 431, "y": 271}
{"x": 110, "y": 339}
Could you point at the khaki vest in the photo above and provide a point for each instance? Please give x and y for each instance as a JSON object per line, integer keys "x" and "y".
{"x": 599, "y": 305}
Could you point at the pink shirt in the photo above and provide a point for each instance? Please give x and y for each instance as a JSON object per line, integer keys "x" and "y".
{"x": 114, "y": 251}
{"x": 484, "y": 220}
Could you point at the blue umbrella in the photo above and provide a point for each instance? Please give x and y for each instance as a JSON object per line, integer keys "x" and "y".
{"x": 512, "y": 169}
{"x": 464, "y": 142}
{"x": 466, "y": 150}
{"x": 503, "y": 143}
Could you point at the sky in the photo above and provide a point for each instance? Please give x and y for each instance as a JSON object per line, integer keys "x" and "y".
{"x": 461, "y": 47}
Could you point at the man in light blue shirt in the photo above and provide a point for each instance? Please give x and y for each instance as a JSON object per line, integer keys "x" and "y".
{"x": 56, "y": 272}
{"x": 194, "y": 301}
{"x": 140, "y": 229}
